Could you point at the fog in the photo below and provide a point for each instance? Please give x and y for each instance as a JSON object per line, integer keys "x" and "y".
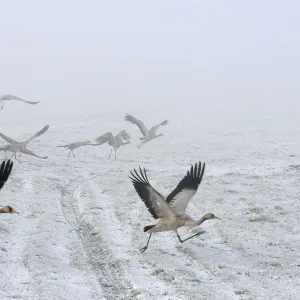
{"x": 168, "y": 57}
{"x": 225, "y": 74}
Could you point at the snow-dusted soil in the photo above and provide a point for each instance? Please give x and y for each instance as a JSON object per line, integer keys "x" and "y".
{"x": 81, "y": 222}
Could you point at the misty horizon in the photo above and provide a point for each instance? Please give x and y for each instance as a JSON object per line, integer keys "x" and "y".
{"x": 102, "y": 56}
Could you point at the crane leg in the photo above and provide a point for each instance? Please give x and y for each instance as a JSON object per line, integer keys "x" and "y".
{"x": 2, "y": 104}
{"x": 116, "y": 154}
{"x": 110, "y": 153}
{"x": 182, "y": 241}
{"x": 12, "y": 156}
{"x": 144, "y": 248}
{"x": 5, "y": 155}
{"x": 16, "y": 157}
{"x": 73, "y": 153}
{"x": 69, "y": 153}
{"x": 141, "y": 144}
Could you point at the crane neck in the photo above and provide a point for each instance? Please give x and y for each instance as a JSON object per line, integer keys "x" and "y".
{"x": 200, "y": 221}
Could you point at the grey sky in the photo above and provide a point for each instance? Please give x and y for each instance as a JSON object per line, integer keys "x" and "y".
{"x": 97, "y": 54}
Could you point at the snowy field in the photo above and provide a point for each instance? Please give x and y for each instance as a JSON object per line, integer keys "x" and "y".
{"x": 81, "y": 222}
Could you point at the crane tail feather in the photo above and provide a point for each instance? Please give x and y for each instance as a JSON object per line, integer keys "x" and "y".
{"x": 146, "y": 228}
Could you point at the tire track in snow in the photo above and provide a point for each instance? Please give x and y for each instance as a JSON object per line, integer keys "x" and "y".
{"x": 53, "y": 258}
{"x": 16, "y": 280}
{"x": 106, "y": 267}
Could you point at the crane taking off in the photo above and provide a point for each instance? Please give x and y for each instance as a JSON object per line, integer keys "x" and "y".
{"x": 170, "y": 210}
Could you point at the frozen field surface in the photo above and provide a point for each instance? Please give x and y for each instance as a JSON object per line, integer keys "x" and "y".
{"x": 81, "y": 222}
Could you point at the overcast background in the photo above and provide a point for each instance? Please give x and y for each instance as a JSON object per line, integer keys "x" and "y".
{"x": 226, "y": 74}
{"x": 207, "y": 57}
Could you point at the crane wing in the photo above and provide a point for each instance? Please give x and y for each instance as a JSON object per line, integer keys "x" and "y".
{"x": 137, "y": 122}
{"x": 12, "y": 97}
{"x": 154, "y": 201}
{"x": 5, "y": 170}
{"x": 106, "y": 137}
{"x": 154, "y": 128}
{"x": 186, "y": 189}
{"x": 8, "y": 139}
{"x": 43, "y": 130}
{"x": 122, "y": 135}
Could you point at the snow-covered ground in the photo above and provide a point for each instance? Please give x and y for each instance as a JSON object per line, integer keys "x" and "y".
{"x": 81, "y": 222}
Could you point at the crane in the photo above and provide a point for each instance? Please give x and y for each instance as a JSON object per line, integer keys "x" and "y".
{"x": 148, "y": 135}
{"x": 12, "y": 97}
{"x": 170, "y": 210}
{"x": 121, "y": 139}
{"x": 75, "y": 145}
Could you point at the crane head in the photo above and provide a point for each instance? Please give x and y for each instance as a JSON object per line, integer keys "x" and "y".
{"x": 210, "y": 216}
{"x": 8, "y": 210}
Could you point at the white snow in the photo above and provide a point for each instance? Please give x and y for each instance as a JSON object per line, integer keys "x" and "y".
{"x": 81, "y": 222}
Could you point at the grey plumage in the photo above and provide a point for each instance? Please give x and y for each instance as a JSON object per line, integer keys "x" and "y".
{"x": 14, "y": 98}
{"x": 16, "y": 146}
{"x": 170, "y": 210}
{"x": 148, "y": 135}
{"x": 121, "y": 139}
{"x": 75, "y": 145}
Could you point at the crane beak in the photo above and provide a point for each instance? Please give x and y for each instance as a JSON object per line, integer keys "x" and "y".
{"x": 217, "y": 218}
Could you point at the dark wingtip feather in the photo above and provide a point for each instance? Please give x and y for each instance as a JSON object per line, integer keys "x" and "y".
{"x": 191, "y": 180}
{"x": 144, "y": 175}
{"x": 5, "y": 170}
{"x": 142, "y": 185}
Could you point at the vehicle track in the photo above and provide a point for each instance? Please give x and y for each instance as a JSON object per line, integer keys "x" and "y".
{"x": 107, "y": 269}
{"x": 53, "y": 257}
